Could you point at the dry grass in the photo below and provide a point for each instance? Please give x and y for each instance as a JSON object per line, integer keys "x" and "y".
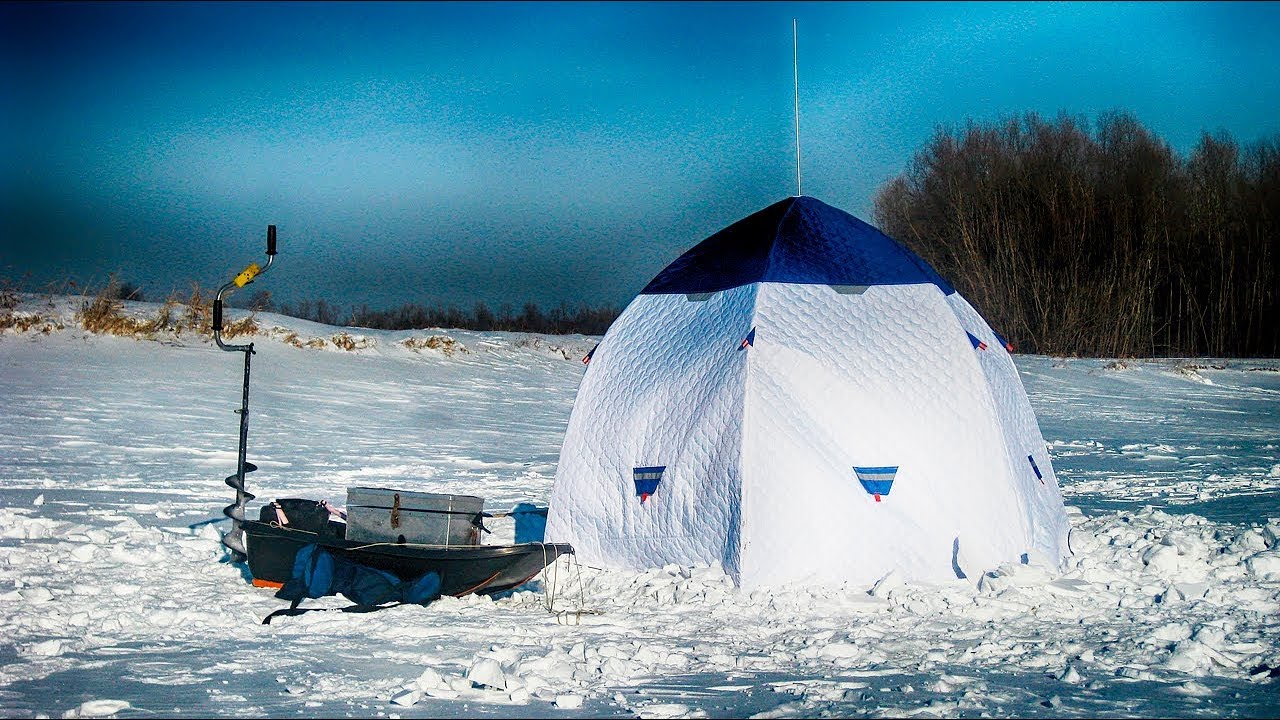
{"x": 291, "y": 338}
{"x": 104, "y": 314}
{"x": 197, "y": 313}
{"x": 538, "y": 344}
{"x": 242, "y": 327}
{"x": 27, "y": 322}
{"x": 443, "y": 343}
{"x": 348, "y": 342}
{"x": 13, "y": 319}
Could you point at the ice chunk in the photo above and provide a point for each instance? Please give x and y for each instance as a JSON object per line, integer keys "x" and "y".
{"x": 569, "y": 701}
{"x": 429, "y": 679}
{"x": 1171, "y": 632}
{"x": 648, "y": 656}
{"x": 487, "y": 672}
{"x": 1210, "y": 634}
{"x": 406, "y": 698}
{"x": 46, "y": 648}
{"x": 96, "y": 708}
{"x": 1194, "y": 657}
{"x": 1264, "y": 565}
{"x": 83, "y": 553}
{"x": 1193, "y": 688}
{"x": 442, "y": 693}
{"x": 1162, "y": 559}
{"x": 1067, "y": 587}
{"x": 668, "y": 710}
{"x": 839, "y": 650}
{"x": 1071, "y": 675}
{"x": 37, "y": 595}
{"x": 506, "y": 656}
{"x": 1134, "y": 673}
{"x": 1189, "y": 590}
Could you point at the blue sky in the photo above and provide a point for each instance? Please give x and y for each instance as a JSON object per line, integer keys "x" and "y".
{"x": 547, "y": 152}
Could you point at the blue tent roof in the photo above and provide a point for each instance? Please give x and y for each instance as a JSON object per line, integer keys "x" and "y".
{"x": 798, "y": 240}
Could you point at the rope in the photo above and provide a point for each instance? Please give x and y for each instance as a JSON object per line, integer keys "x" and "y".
{"x": 550, "y": 589}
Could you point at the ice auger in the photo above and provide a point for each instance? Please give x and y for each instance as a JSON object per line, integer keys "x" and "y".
{"x": 234, "y": 538}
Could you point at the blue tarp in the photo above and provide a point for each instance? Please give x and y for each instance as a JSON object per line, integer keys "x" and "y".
{"x": 798, "y": 240}
{"x": 531, "y": 523}
{"x": 317, "y": 573}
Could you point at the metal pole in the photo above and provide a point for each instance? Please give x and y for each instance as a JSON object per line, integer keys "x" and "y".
{"x": 795, "y": 66}
{"x": 234, "y": 538}
{"x": 244, "y": 414}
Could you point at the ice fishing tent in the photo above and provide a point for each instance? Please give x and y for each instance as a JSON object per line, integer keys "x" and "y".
{"x": 800, "y": 398}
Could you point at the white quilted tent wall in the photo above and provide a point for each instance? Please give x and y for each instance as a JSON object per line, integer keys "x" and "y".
{"x": 1041, "y": 496}
{"x": 760, "y": 442}
{"x": 665, "y": 387}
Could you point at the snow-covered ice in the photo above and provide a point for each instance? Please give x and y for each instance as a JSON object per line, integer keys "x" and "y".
{"x": 115, "y": 596}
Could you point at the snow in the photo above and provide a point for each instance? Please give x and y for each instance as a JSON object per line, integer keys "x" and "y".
{"x": 116, "y": 598}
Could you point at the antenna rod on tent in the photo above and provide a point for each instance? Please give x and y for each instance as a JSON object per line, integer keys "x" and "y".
{"x": 795, "y": 66}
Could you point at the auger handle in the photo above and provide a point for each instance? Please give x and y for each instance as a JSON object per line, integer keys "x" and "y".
{"x": 245, "y": 277}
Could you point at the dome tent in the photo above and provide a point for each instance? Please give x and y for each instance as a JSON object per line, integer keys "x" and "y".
{"x": 800, "y": 398}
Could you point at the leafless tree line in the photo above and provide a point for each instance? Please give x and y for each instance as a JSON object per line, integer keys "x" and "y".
{"x": 560, "y": 320}
{"x": 1104, "y": 243}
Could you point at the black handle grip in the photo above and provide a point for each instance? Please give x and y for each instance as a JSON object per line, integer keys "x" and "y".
{"x": 271, "y": 239}
{"x": 217, "y": 314}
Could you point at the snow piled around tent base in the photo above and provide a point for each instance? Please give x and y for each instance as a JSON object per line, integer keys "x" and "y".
{"x": 1173, "y": 609}
{"x": 1150, "y": 598}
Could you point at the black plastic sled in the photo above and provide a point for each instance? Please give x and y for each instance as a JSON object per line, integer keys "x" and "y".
{"x": 463, "y": 569}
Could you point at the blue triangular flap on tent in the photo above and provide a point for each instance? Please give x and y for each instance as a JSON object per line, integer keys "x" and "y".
{"x": 647, "y": 479}
{"x": 877, "y": 480}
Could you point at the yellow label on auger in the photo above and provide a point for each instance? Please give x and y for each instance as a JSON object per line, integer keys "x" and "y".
{"x": 247, "y": 276}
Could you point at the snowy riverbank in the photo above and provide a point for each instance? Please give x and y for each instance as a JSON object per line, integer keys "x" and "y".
{"x": 113, "y": 448}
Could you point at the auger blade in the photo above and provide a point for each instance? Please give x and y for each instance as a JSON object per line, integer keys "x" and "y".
{"x": 233, "y": 541}
{"x": 242, "y": 496}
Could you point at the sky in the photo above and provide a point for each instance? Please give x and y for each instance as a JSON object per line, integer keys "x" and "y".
{"x": 559, "y": 152}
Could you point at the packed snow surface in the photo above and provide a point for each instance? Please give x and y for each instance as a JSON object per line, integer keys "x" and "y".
{"x": 116, "y": 597}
